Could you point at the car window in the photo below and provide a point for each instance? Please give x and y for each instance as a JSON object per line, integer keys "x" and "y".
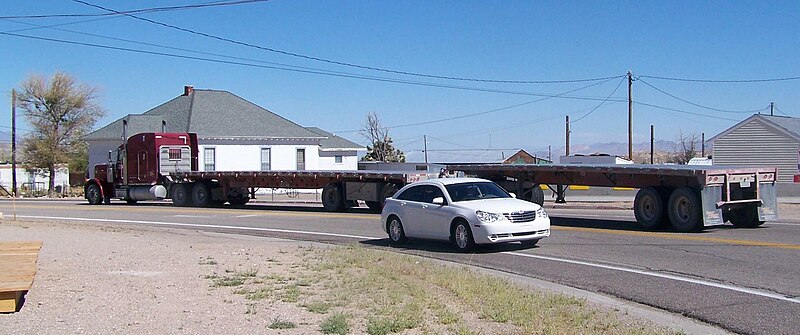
{"x": 421, "y": 193}
{"x": 476, "y": 191}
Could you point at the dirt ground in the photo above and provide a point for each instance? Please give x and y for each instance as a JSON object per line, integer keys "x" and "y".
{"x": 114, "y": 280}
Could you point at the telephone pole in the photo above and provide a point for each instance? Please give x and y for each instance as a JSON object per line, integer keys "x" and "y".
{"x": 425, "y": 145}
{"x": 771, "y": 108}
{"x": 567, "y": 150}
{"x": 652, "y": 139}
{"x": 14, "y": 143}
{"x": 630, "y": 116}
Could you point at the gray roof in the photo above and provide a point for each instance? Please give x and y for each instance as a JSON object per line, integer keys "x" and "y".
{"x": 210, "y": 114}
{"x": 786, "y": 124}
{"x": 333, "y": 142}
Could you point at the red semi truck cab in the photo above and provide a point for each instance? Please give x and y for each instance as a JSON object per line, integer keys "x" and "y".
{"x": 139, "y": 167}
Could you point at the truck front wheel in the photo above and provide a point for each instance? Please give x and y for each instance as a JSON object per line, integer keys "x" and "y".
{"x": 94, "y": 195}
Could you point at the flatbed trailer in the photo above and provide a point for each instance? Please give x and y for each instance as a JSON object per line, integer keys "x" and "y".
{"x": 689, "y": 197}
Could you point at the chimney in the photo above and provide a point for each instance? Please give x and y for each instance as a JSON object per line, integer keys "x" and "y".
{"x": 187, "y": 90}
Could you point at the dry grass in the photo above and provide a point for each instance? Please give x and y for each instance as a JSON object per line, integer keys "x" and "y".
{"x": 377, "y": 292}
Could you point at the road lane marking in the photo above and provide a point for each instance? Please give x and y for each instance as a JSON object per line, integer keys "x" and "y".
{"x": 677, "y": 236}
{"x": 661, "y": 275}
{"x": 247, "y": 216}
{"x": 197, "y": 225}
{"x": 192, "y": 216}
{"x": 549, "y": 258}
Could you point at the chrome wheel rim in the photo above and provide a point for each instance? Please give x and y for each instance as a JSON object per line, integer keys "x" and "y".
{"x": 394, "y": 230}
{"x": 461, "y": 236}
{"x": 649, "y": 208}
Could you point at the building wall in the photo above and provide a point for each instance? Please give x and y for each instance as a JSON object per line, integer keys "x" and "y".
{"x": 248, "y": 157}
{"x": 32, "y": 180}
{"x": 327, "y": 160}
{"x": 98, "y": 153}
{"x": 755, "y": 144}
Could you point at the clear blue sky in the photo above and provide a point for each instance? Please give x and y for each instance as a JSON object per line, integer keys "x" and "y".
{"x": 499, "y": 40}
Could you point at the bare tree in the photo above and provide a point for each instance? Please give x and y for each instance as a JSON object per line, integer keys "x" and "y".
{"x": 686, "y": 150}
{"x": 381, "y": 148}
{"x": 61, "y": 111}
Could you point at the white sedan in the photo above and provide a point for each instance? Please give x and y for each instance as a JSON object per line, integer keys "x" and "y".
{"x": 466, "y": 211}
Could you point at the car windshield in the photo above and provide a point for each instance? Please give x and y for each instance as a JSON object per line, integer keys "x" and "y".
{"x": 475, "y": 191}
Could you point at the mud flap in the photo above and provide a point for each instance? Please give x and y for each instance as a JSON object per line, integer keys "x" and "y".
{"x": 710, "y": 196}
{"x": 769, "y": 206}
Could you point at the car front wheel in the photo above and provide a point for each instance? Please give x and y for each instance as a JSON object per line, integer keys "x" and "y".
{"x": 462, "y": 237}
{"x": 395, "y": 229}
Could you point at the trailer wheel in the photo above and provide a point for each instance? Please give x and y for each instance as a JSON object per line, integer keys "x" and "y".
{"x": 536, "y": 195}
{"x": 684, "y": 210}
{"x": 238, "y": 196}
{"x": 744, "y": 217}
{"x": 387, "y": 191}
{"x": 93, "y": 194}
{"x": 181, "y": 196}
{"x": 648, "y": 207}
{"x": 201, "y": 195}
{"x": 332, "y": 198}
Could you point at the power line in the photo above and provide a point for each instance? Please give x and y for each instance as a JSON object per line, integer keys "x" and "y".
{"x": 319, "y": 72}
{"x": 363, "y": 67}
{"x": 136, "y": 11}
{"x": 722, "y": 80}
{"x": 684, "y": 112}
{"x": 602, "y": 102}
{"x": 699, "y": 105}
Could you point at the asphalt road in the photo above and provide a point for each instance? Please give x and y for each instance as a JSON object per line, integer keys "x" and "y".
{"x": 743, "y": 280}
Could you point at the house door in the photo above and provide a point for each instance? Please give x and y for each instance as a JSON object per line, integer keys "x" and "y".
{"x": 301, "y": 159}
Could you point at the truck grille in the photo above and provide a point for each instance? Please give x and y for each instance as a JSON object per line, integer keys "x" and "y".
{"x": 521, "y": 216}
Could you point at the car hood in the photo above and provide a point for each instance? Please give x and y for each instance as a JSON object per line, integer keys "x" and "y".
{"x": 501, "y": 205}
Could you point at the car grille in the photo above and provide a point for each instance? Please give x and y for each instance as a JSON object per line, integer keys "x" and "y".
{"x": 521, "y": 216}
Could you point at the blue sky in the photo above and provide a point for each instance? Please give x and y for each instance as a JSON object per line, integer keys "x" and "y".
{"x": 497, "y": 40}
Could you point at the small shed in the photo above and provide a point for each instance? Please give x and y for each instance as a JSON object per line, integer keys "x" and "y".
{"x": 523, "y": 157}
{"x": 765, "y": 141}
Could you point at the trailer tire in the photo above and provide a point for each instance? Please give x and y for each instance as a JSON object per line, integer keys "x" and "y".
{"x": 332, "y": 198}
{"x": 744, "y": 217}
{"x": 181, "y": 196}
{"x": 685, "y": 210}
{"x": 387, "y": 191}
{"x": 238, "y": 196}
{"x": 94, "y": 195}
{"x": 201, "y": 195}
{"x": 648, "y": 208}
{"x": 536, "y": 195}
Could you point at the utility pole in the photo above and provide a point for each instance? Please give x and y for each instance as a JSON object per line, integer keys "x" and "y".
{"x": 567, "y": 150}
{"x": 425, "y": 145}
{"x": 630, "y": 116}
{"x": 548, "y": 154}
{"x": 703, "y": 144}
{"x": 14, "y": 142}
{"x": 652, "y": 139}
{"x": 771, "y": 108}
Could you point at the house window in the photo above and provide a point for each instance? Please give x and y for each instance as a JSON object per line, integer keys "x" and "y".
{"x": 301, "y": 159}
{"x": 265, "y": 159}
{"x": 337, "y": 159}
{"x": 175, "y": 154}
{"x": 209, "y": 159}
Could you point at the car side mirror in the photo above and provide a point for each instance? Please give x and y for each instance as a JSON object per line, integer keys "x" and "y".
{"x": 512, "y": 194}
{"x": 438, "y": 201}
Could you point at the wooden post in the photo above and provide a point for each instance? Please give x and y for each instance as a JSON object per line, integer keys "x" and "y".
{"x": 652, "y": 139}
{"x": 630, "y": 116}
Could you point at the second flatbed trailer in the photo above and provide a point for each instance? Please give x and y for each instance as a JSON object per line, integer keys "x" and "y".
{"x": 689, "y": 197}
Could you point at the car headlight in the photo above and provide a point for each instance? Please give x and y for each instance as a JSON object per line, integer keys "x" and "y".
{"x": 487, "y": 217}
{"x": 541, "y": 213}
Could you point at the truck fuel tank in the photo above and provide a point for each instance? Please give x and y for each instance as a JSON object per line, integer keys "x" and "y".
{"x": 145, "y": 192}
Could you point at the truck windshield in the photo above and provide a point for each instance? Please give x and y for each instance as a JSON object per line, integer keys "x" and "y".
{"x": 475, "y": 191}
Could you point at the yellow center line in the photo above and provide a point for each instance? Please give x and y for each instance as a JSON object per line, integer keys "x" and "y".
{"x": 678, "y": 236}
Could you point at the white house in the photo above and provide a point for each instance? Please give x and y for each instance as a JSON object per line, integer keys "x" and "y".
{"x": 233, "y": 135}
{"x": 30, "y": 182}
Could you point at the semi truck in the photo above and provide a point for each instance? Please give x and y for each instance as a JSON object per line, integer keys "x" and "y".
{"x": 688, "y": 197}
{"x": 155, "y": 166}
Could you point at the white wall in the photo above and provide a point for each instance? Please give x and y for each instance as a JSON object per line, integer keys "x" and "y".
{"x": 327, "y": 160}
{"x": 23, "y": 177}
{"x": 247, "y": 157}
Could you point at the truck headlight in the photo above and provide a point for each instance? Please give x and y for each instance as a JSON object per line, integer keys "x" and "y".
{"x": 487, "y": 217}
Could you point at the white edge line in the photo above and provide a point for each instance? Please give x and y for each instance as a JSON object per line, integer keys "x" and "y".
{"x": 555, "y": 259}
{"x": 157, "y": 223}
{"x": 662, "y": 275}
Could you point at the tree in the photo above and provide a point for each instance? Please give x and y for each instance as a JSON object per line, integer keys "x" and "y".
{"x": 687, "y": 149}
{"x": 381, "y": 149}
{"x": 60, "y": 111}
